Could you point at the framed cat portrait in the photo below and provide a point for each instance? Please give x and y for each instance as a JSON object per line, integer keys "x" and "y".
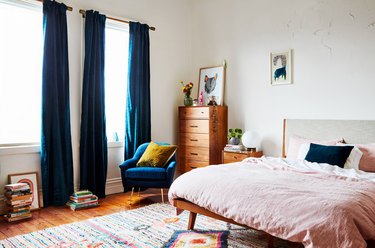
{"x": 211, "y": 85}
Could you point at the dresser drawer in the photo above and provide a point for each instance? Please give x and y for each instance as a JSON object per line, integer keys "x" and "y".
{"x": 231, "y": 157}
{"x": 195, "y": 164}
{"x": 194, "y": 126}
{"x": 191, "y": 153}
{"x": 194, "y": 113}
{"x": 195, "y": 139}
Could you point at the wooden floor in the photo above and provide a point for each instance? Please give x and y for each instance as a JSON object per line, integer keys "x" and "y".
{"x": 54, "y": 216}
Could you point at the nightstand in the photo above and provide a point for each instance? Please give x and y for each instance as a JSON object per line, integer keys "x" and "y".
{"x": 231, "y": 157}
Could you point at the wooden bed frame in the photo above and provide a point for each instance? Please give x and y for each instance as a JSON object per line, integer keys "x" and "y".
{"x": 352, "y": 131}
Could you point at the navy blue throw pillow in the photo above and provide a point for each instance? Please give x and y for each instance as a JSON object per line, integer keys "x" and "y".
{"x": 334, "y": 155}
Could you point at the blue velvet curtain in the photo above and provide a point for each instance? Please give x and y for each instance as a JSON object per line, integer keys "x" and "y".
{"x": 138, "y": 110}
{"x": 56, "y": 147}
{"x": 93, "y": 144}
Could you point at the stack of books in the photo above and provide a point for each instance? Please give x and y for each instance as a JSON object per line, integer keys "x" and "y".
{"x": 82, "y": 199}
{"x": 233, "y": 148}
{"x": 18, "y": 198}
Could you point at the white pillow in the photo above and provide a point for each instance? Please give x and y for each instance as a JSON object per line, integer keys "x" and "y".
{"x": 303, "y": 150}
{"x": 355, "y": 156}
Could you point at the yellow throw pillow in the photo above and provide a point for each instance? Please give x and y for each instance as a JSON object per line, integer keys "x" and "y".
{"x": 156, "y": 155}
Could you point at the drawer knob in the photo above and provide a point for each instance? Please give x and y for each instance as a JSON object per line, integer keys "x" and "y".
{"x": 193, "y": 153}
{"x": 193, "y": 140}
{"x": 235, "y": 157}
{"x": 193, "y": 126}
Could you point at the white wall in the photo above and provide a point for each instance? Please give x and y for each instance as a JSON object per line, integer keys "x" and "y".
{"x": 170, "y": 62}
{"x": 333, "y": 43}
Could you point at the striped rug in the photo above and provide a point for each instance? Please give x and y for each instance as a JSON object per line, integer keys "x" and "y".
{"x": 150, "y": 226}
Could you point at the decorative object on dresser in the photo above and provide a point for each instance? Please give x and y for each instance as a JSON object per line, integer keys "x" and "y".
{"x": 202, "y": 136}
{"x": 211, "y": 83}
{"x": 18, "y": 198}
{"x": 30, "y": 178}
{"x": 233, "y": 148}
{"x": 186, "y": 89}
{"x": 232, "y": 157}
{"x": 234, "y": 136}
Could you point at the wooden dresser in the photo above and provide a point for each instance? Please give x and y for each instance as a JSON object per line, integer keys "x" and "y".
{"x": 202, "y": 135}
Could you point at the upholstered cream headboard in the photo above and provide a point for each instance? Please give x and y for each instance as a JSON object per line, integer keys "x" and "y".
{"x": 353, "y": 131}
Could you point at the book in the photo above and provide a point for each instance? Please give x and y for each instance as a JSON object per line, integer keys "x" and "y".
{"x": 78, "y": 204}
{"x": 75, "y": 206}
{"x": 83, "y": 199}
{"x": 11, "y": 219}
{"x": 82, "y": 193}
{"x": 19, "y": 203}
{"x": 18, "y": 209}
{"x": 17, "y": 186}
{"x": 19, "y": 197}
{"x": 233, "y": 148}
{"x": 16, "y": 214}
{"x": 11, "y": 194}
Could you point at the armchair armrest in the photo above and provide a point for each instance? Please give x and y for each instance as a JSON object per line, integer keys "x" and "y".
{"x": 170, "y": 171}
{"x": 127, "y": 164}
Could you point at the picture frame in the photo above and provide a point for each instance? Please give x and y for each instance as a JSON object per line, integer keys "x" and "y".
{"x": 30, "y": 178}
{"x": 281, "y": 67}
{"x": 211, "y": 83}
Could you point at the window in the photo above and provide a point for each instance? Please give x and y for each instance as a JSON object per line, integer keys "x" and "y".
{"x": 21, "y": 51}
{"x": 116, "y": 76}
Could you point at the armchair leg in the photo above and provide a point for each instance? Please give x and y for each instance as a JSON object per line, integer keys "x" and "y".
{"x": 131, "y": 195}
{"x": 162, "y": 195}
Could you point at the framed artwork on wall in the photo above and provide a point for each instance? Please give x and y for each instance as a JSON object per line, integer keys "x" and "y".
{"x": 211, "y": 84}
{"x": 31, "y": 178}
{"x": 281, "y": 67}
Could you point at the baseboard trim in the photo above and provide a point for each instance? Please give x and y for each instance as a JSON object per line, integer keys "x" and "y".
{"x": 113, "y": 186}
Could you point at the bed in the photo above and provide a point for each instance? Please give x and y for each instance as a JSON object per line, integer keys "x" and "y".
{"x": 315, "y": 204}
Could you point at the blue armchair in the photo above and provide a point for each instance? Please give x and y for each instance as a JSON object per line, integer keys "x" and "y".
{"x": 146, "y": 177}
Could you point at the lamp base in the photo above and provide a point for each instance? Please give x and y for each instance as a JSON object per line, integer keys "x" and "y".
{"x": 251, "y": 149}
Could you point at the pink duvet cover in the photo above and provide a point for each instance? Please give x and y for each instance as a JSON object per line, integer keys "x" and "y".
{"x": 315, "y": 208}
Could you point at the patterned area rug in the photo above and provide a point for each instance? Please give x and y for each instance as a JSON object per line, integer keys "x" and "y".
{"x": 153, "y": 226}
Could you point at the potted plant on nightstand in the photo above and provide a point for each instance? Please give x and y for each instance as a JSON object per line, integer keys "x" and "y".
{"x": 234, "y": 136}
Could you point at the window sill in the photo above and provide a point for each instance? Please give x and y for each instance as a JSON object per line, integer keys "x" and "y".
{"x": 19, "y": 149}
{"x": 115, "y": 144}
{"x": 35, "y": 148}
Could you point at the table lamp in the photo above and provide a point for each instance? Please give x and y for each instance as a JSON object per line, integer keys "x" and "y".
{"x": 250, "y": 141}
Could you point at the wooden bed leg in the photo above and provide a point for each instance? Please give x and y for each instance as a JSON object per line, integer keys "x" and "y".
{"x": 270, "y": 241}
{"x": 192, "y": 217}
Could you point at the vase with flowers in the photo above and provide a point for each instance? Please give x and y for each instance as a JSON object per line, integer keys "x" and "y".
{"x": 186, "y": 89}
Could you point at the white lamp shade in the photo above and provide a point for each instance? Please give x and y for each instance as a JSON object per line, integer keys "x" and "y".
{"x": 250, "y": 139}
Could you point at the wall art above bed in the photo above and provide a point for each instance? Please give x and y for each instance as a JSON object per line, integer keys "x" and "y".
{"x": 281, "y": 67}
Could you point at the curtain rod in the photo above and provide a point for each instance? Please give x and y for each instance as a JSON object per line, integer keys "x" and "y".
{"x": 81, "y": 11}
{"x": 67, "y": 7}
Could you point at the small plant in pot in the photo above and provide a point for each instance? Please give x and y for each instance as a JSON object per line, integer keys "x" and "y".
{"x": 234, "y": 136}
